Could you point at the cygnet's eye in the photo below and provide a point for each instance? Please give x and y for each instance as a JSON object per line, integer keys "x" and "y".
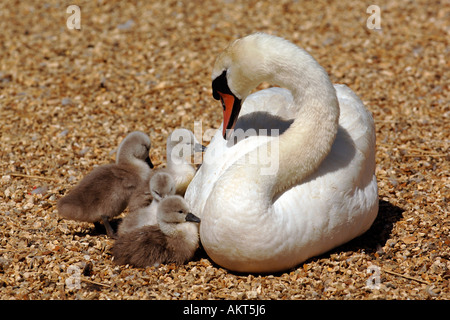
{"x": 158, "y": 193}
{"x": 181, "y": 211}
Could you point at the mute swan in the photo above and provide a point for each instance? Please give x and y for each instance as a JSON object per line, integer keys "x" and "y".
{"x": 161, "y": 186}
{"x": 174, "y": 239}
{"x": 105, "y": 192}
{"x": 269, "y": 202}
{"x": 181, "y": 145}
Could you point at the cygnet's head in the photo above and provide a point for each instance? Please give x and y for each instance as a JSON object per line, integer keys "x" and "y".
{"x": 162, "y": 185}
{"x": 135, "y": 146}
{"x": 174, "y": 209}
{"x": 181, "y": 144}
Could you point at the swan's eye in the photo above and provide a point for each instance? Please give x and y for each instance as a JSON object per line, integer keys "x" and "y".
{"x": 223, "y": 103}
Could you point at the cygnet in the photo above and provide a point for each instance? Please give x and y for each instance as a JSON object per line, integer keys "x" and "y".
{"x": 161, "y": 185}
{"x": 105, "y": 192}
{"x": 174, "y": 239}
{"x": 181, "y": 145}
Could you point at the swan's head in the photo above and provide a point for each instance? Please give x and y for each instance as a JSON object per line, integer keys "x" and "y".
{"x": 181, "y": 144}
{"x": 239, "y": 69}
{"x": 135, "y": 146}
{"x": 162, "y": 185}
{"x": 256, "y": 58}
{"x": 174, "y": 209}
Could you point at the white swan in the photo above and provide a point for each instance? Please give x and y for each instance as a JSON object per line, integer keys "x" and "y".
{"x": 318, "y": 189}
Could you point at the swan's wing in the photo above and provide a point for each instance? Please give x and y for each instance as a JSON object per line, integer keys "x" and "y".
{"x": 340, "y": 200}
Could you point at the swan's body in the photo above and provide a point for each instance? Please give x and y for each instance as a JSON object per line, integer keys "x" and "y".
{"x": 181, "y": 145}
{"x": 269, "y": 202}
{"x": 145, "y": 214}
{"x": 106, "y": 191}
{"x": 174, "y": 239}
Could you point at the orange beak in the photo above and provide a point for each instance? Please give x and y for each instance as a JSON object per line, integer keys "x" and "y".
{"x": 231, "y": 108}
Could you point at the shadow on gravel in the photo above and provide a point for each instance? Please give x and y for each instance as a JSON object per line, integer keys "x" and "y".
{"x": 379, "y": 232}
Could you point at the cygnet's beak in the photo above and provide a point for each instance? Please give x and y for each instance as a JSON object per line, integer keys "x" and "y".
{"x": 192, "y": 217}
{"x": 149, "y": 162}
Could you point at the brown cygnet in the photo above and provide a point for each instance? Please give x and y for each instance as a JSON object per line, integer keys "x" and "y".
{"x": 105, "y": 192}
{"x": 174, "y": 239}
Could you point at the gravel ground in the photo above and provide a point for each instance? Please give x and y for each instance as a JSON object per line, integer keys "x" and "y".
{"x": 68, "y": 97}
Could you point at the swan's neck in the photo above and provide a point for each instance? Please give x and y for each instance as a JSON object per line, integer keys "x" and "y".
{"x": 308, "y": 140}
